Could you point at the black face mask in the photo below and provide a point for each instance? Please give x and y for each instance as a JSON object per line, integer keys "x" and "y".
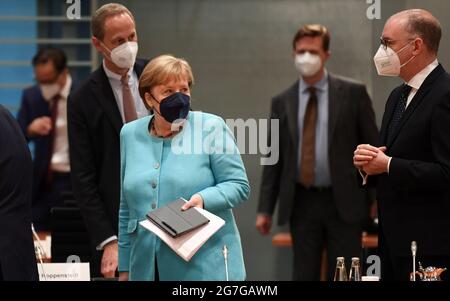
{"x": 173, "y": 107}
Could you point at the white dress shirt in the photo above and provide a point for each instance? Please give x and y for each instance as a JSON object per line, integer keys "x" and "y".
{"x": 60, "y": 158}
{"x": 133, "y": 82}
{"x": 418, "y": 80}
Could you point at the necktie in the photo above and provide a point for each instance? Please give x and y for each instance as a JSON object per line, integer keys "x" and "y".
{"x": 53, "y": 116}
{"x": 307, "y": 162}
{"x": 399, "y": 109}
{"x": 129, "y": 109}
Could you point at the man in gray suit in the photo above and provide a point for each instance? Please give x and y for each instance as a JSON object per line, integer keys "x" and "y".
{"x": 322, "y": 118}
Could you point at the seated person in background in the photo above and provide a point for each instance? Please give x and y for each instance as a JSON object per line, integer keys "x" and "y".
{"x": 43, "y": 119}
{"x": 155, "y": 170}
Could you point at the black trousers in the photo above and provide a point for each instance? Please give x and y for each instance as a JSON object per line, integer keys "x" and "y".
{"x": 315, "y": 225}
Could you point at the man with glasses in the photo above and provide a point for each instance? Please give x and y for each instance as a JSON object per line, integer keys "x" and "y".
{"x": 411, "y": 167}
{"x": 43, "y": 119}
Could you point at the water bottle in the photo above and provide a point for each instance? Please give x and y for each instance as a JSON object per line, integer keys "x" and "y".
{"x": 340, "y": 274}
{"x": 355, "y": 270}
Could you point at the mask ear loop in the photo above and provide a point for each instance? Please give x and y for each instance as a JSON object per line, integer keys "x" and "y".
{"x": 104, "y": 46}
{"x": 154, "y": 108}
{"x": 404, "y": 64}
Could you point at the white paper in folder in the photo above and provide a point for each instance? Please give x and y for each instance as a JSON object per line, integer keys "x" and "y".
{"x": 188, "y": 244}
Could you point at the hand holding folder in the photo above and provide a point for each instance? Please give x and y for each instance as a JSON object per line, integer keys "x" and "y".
{"x": 175, "y": 221}
{"x": 188, "y": 243}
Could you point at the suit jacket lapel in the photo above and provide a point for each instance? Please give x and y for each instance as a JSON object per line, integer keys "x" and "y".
{"x": 418, "y": 98}
{"x": 334, "y": 106}
{"x": 421, "y": 93}
{"x": 106, "y": 98}
{"x": 139, "y": 67}
{"x": 292, "y": 112}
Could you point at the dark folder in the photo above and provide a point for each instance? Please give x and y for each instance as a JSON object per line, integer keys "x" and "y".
{"x": 176, "y": 222}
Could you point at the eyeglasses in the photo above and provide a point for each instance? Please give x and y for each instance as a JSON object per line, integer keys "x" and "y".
{"x": 386, "y": 42}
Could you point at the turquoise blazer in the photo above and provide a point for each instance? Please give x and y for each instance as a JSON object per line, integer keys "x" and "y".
{"x": 203, "y": 158}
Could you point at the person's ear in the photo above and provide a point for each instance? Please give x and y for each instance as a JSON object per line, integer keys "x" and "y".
{"x": 97, "y": 45}
{"x": 418, "y": 46}
{"x": 62, "y": 79}
{"x": 148, "y": 100}
{"x": 326, "y": 55}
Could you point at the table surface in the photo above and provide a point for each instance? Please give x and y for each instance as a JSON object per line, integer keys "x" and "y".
{"x": 284, "y": 239}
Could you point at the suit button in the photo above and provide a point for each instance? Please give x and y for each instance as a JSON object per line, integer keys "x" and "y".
{"x": 153, "y": 205}
{"x": 153, "y": 185}
{"x": 156, "y": 165}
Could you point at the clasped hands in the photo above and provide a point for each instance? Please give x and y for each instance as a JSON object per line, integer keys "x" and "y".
{"x": 370, "y": 159}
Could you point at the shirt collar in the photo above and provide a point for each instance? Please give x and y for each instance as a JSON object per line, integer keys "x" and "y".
{"x": 320, "y": 85}
{"x": 420, "y": 77}
{"x": 66, "y": 89}
{"x": 112, "y": 75}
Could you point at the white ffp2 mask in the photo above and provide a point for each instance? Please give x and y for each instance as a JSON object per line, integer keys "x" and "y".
{"x": 49, "y": 91}
{"x": 307, "y": 64}
{"x": 387, "y": 61}
{"x": 124, "y": 55}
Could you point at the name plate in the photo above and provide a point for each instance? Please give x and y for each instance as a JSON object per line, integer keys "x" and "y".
{"x": 64, "y": 272}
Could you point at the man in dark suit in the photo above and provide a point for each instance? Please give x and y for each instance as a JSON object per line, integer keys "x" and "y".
{"x": 96, "y": 112}
{"x": 322, "y": 117}
{"x": 43, "y": 119}
{"x": 17, "y": 258}
{"x": 411, "y": 169}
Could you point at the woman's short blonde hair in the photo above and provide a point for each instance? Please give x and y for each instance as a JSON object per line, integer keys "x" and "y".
{"x": 162, "y": 69}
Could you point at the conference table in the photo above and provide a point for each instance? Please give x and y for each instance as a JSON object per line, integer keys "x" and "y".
{"x": 284, "y": 239}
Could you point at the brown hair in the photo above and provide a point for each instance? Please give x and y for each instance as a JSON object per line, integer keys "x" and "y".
{"x": 313, "y": 30}
{"x": 54, "y": 55}
{"x": 101, "y": 14}
{"x": 162, "y": 69}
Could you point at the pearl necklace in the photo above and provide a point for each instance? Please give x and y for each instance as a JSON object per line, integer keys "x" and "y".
{"x": 155, "y": 132}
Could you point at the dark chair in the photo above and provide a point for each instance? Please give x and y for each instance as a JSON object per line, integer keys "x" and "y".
{"x": 69, "y": 233}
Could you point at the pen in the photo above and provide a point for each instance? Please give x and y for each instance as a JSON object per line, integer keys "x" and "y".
{"x": 225, "y": 258}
